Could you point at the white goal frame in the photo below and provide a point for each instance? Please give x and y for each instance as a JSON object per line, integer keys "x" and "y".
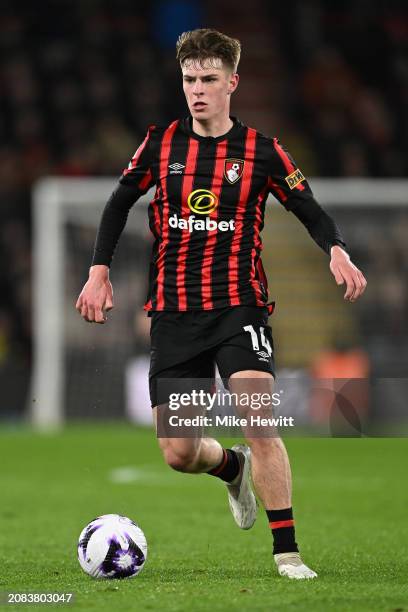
{"x": 52, "y": 197}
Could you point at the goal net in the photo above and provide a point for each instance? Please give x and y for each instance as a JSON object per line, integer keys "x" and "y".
{"x": 84, "y": 371}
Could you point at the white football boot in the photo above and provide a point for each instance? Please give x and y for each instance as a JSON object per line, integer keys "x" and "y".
{"x": 291, "y": 565}
{"x": 241, "y": 498}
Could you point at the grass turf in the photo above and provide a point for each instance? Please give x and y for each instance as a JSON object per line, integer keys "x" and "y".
{"x": 350, "y": 500}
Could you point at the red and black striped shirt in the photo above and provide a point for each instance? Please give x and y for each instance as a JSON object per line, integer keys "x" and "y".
{"x": 207, "y": 212}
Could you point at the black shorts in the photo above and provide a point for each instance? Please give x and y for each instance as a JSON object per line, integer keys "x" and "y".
{"x": 188, "y": 345}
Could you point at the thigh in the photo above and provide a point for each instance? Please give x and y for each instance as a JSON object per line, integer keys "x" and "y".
{"x": 195, "y": 374}
{"x": 251, "y": 348}
{"x": 255, "y": 401}
{"x": 178, "y": 355}
{"x": 180, "y": 446}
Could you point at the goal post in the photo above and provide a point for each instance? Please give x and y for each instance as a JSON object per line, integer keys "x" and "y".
{"x": 66, "y": 212}
{"x": 55, "y": 202}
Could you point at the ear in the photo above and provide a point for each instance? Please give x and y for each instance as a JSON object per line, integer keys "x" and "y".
{"x": 233, "y": 82}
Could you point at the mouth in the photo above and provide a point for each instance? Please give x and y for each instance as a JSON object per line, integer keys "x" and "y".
{"x": 199, "y": 105}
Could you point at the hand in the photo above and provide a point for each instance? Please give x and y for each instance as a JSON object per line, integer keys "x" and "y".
{"x": 344, "y": 270}
{"x": 96, "y": 298}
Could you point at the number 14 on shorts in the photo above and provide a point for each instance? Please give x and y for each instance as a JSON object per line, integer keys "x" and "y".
{"x": 259, "y": 341}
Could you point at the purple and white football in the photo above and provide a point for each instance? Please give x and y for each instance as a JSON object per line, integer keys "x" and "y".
{"x": 112, "y": 546}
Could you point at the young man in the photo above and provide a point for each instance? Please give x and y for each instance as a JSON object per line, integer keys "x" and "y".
{"x": 208, "y": 291}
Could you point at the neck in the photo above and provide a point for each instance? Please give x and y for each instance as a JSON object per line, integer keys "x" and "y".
{"x": 216, "y": 126}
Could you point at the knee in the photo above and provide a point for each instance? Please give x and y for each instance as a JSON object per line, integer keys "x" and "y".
{"x": 179, "y": 459}
{"x": 264, "y": 445}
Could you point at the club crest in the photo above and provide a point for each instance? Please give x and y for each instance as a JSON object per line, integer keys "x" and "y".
{"x": 233, "y": 170}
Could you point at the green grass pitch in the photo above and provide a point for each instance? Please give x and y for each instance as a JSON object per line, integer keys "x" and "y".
{"x": 350, "y": 501}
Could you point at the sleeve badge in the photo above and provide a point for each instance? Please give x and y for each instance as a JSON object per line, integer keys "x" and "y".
{"x": 294, "y": 179}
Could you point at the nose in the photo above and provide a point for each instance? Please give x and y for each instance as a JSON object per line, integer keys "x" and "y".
{"x": 198, "y": 87}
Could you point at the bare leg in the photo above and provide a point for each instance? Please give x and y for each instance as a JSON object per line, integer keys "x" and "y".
{"x": 271, "y": 473}
{"x": 192, "y": 455}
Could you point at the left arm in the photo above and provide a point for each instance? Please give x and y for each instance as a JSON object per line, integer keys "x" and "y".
{"x": 344, "y": 270}
{"x": 289, "y": 186}
{"x": 326, "y": 234}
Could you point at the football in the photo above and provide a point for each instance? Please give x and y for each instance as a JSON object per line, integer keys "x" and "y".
{"x": 112, "y": 546}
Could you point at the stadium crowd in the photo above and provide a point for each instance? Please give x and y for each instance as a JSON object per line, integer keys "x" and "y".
{"x": 80, "y": 81}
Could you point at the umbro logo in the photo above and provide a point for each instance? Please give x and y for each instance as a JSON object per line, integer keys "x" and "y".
{"x": 176, "y": 168}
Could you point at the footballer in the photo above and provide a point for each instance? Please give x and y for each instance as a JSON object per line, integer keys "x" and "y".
{"x": 208, "y": 292}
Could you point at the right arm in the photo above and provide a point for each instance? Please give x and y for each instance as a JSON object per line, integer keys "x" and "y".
{"x": 96, "y": 298}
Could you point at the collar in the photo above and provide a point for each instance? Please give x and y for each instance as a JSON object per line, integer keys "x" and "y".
{"x": 187, "y": 123}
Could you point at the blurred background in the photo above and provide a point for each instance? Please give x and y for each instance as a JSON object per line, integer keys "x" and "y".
{"x": 80, "y": 81}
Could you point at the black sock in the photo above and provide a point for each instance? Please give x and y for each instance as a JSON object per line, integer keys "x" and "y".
{"x": 229, "y": 467}
{"x": 283, "y": 530}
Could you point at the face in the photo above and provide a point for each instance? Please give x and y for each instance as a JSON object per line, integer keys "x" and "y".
{"x": 208, "y": 88}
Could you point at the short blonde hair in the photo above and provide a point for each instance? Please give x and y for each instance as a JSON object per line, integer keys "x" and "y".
{"x": 206, "y": 44}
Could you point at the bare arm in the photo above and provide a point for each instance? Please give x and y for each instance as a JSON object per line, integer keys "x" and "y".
{"x": 96, "y": 298}
{"x": 344, "y": 270}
